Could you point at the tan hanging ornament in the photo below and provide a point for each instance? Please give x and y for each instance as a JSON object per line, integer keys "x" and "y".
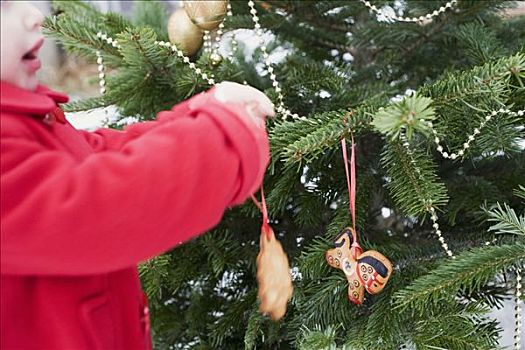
{"x": 273, "y": 271}
{"x": 368, "y": 271}
{"x": 207, "y": 15}
{"x": 183, "y": 33}
{"x": 273, "y": 276}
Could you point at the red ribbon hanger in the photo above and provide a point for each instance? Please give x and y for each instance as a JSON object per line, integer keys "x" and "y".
{"x": 351, "y": 184}
{"x": 264, "y": 210}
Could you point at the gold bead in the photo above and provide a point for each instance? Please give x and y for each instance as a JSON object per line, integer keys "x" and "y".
{"x": 215, "y": 59}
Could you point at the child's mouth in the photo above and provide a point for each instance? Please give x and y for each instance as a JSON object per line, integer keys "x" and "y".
{"x": 29, "y": 56}
{"x": 30, "y": 59}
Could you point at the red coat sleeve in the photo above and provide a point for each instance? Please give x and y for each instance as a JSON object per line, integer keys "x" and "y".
{"x": 111, "y": 139}
{"x": 116, "y": 208}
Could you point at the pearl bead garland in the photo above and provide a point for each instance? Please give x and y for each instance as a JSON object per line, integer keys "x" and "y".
{"x": 518, "y": 329}
{"x": 453, "y": 156}
{"x": 471, "y": 137}
{"x": 207, "y": 41}
{"x": 234, "y": 44}
{"x": 101, "y": 74}
{"x": 172, "y": 47}
{"x": 186, "y": 60}
{"x": 258, "y": 31}
{"x": 427, "y": 17}
{"x": 108, "y": 40}
{"x": 430, "y": 207}
{"x": 218, "y": 36}
{"x": 435, "y": 225}
{"x": 100, "y": 61}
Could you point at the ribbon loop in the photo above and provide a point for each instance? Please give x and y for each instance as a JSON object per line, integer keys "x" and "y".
{"x": 350, "y": 179}
{"x": 263, "y": 208}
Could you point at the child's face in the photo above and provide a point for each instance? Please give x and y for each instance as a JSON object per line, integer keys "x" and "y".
{"x": 21, "y": 39}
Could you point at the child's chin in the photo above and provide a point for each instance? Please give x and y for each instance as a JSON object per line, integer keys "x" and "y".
{"x": 28, "y": 83}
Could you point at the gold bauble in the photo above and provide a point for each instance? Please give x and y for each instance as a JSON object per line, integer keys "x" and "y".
{"x": 215, "y": 59}
{"x": 184, "y": 33}
{"x": 207, "y": 15}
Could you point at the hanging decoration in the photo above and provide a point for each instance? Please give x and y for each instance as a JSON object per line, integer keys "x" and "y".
{"x": 368, "y": 270}
{"x": 273, "y": 270}
{"x": 207, "y": 15}
{"x": 184, "y": 33}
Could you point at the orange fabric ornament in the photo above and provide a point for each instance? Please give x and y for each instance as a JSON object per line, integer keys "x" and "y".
{"x": 273, "y": 270}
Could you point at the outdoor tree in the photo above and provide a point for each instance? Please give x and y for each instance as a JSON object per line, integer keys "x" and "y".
{"x": 433, "y": 94}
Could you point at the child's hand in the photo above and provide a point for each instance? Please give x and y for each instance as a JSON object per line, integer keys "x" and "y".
{"x": 256, "y": 103}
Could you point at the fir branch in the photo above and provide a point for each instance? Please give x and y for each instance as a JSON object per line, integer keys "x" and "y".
{"x": 411, "y": 191}
{"x": 152, "y": 14}
{"x": 506, "y": 220}
{"x": 76, "y": 27}
{"x": 481, "y": 44}
{"x": 520, "y": 192}
{"x": 308, "y": 140}
{"x": 252, "y": 329}
{"x": 386, "y": 325}
{"x": 490, "y": 79}
{"x": 153, "y": 274}
{"x": 323, "y": 301}
{"x": 458, "y": 327}
{"x": 317, "y": 339}
{"x": 87, "y": 104}
{"x": 221, "y": 254}
{"x": 467, "y": 273}
{"x": 406, "y": 116}
{"x": 84, "y": 12}
{"x": 235, "y": 313}
{"x": 311, "y": 262}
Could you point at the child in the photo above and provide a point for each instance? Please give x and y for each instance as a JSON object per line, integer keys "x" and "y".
{"x": 79, "y": 210}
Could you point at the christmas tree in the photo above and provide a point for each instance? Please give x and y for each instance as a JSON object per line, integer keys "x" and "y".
{"x": 433, "y": 94}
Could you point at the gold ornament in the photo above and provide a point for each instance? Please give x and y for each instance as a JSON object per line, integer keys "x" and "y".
{"x": 215, "y": 59}
{"x": 184, "y": 33}
{"x": 207, "y": 15}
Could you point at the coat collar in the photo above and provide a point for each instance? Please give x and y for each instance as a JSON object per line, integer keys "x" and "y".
{"x": 37, "y": 103}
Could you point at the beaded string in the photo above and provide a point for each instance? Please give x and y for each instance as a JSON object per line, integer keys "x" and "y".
{"x": 518, "y": 328}
{"x": 172, "y": 47}
{"x": 101, "y": 73}
{"x": 394, "y": 17}
{"x": 472, "y": 136}
{"x": 453, "y": 156}
{"x": 430, "y": 208}
{"x": 234, "y": 43}
{"x": 280, "y": 97}
{"x": 207, "y": 41}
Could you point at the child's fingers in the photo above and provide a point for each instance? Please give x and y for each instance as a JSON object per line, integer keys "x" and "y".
{"x": 229, "y": 91}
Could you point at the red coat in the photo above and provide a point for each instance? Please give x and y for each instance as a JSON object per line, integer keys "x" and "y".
{"x": 79, "y": 210}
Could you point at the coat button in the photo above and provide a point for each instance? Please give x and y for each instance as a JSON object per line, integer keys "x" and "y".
{"x": 49, "y": 119}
